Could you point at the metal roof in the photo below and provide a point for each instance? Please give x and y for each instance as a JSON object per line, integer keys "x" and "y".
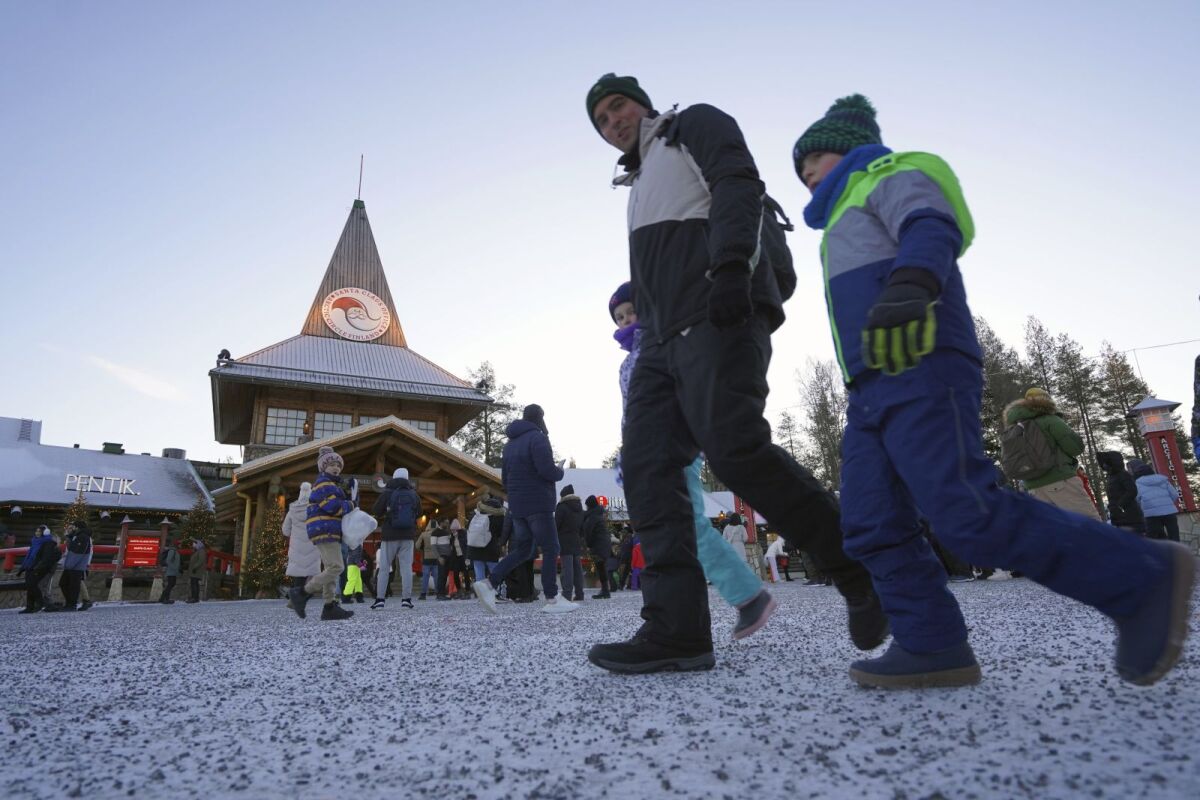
{"x": 319, "y": 361}
{"x": 37, "y": 474}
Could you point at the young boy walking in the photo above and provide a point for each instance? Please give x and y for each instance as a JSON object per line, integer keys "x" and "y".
{"x": 327, "y": 504}
{"x": 895, "y": 225}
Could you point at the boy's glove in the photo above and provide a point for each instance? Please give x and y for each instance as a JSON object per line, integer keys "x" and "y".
{"x": 729, "y": 302}
{"x": 901, "y": 326}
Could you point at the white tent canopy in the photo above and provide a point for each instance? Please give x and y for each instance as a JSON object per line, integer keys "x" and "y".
{"x": 603, "y": 483}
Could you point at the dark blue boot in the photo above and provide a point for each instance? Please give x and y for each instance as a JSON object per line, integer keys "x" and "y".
{"x": 900, "y": 669}
{"x": 1150, "y": 640}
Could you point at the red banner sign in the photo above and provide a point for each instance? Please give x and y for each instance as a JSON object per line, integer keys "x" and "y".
{"x": 141, "y": 551}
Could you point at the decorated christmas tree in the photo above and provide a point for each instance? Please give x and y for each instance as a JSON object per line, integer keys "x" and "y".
{"x": 79, "y": 511}
{"x": 200, "y": 523}
{"x": 268, "y": 559}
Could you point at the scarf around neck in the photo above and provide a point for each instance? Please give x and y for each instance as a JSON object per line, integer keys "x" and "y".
{"x": 829, "y": 190}
{"x": 627, "y": 335}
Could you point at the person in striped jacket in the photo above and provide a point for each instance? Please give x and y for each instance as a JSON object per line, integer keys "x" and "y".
{"x": 327, "y": 504}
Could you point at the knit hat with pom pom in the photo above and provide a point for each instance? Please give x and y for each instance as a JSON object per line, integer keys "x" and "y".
{"x": 326, "y": 457}
{"x": 849, "y": 123}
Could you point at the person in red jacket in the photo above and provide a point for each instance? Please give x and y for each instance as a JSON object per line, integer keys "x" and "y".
{"x": 637, "y": 563}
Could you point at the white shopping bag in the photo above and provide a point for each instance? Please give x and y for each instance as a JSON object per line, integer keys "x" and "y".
{"x": 356, "y": 526}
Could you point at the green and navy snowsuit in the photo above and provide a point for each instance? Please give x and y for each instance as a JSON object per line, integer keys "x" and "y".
{"x": 913, "y": 443}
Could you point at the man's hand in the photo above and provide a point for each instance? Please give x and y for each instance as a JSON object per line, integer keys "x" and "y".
{"x": 729, "y": 302}
{"x": 901, "y": 327}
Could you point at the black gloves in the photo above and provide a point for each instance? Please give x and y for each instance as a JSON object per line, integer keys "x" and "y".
{"x": 901, "y": 326}
{"x": 729, "y": 302}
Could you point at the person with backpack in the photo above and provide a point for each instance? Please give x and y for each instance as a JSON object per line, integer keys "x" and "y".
{"x": 1121, "y": 490}
{"x": 895, "y": 225}
{"x": 1038, "y": 448}
{"x": 568, "y": 519}
{"x": 1156, "y": 497}
{"x": 171, "y": 563}
{"x": 483, "y": 536}
{"x": 710, "y": 270}
{"x": 399, "y": 507}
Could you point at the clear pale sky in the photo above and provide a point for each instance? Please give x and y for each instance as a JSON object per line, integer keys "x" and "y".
{"x": 174, "y": 177}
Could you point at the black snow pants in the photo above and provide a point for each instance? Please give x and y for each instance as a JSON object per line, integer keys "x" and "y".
{"x": 705, "y": 391}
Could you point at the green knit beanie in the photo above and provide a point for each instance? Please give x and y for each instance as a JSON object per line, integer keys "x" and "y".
{"x": 849, "y": 123}
{"x": 608, "y": 84}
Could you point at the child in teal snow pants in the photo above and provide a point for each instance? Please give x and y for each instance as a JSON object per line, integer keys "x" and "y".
{"x": 723, "y": 567}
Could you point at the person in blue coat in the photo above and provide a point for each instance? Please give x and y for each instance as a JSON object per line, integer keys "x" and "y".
{"x": 895, "y": 225}
{"x": 34, "y": 599}
{"x": 529, "y": 475}
{"x": 1157, "y": 497}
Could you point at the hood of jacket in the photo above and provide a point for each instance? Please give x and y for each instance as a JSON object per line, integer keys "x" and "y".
{"x": 1139, "y": 468}
{"x": 572, "y": 502}
{"x": 491, "y": 511}
{"x": 1028, "y": 408}
{"x": 518, "y": 428}
{"x": 1111, "y": 461}
{"x": 399, "y": 483}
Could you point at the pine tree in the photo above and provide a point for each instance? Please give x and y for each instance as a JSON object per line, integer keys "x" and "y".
{"x": 1005, "y": 379}
{"x": 787, "y": 433}
{"x": 610, "y": 461}
{"x": 265, "y": 568}
{"x": 1120, "y": 390}
{"x": 1040, "y": 353}
{"x": 483, "y": 437}
{"x": 824, "y": 399}
{"x": 1078, "y": 389}
{"x": 200, "y": 523}
{"x": 78, "y": 511}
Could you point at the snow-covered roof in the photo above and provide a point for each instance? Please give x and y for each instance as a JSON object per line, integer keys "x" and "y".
{"x": 323, "y": 362}
{"x": 36, "y": 474}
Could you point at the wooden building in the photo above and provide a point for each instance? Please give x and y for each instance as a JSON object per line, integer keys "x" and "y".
{"x": 349, "y": 380}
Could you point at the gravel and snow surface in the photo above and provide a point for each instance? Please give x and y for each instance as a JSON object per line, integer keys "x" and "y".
{"x": 228, "y": 699}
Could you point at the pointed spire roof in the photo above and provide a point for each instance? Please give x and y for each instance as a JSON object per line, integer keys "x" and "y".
{"x": 354, "y": 302}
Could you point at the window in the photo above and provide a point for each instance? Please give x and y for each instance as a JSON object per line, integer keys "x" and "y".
{"x": 284, "y": 425}
{"x": 423, "y": 425}
{"x": 365, "y": 419}
{"x": 329, "y": 424}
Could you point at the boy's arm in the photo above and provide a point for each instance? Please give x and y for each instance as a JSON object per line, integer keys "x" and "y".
{"x": 920, "y": 219}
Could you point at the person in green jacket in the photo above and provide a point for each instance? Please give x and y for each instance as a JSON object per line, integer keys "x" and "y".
{"x": 1060, "y": 485}
{"x": 171, "y": 562}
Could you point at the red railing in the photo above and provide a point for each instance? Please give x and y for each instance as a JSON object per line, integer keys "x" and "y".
{"x": 14, "y": 555}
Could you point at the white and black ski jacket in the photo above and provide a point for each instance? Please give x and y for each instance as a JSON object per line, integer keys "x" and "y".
{"x": 696, "y": 204}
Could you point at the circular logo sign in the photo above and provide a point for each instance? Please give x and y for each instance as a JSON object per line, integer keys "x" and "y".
{"x": 355, "y": 314}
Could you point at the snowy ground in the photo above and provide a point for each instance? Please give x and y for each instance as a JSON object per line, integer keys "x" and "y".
{"x": 244, "y": 699}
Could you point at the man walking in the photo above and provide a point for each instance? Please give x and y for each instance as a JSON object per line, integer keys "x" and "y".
{"x": 529, "y": 474}
{"x": 399, "y": 507}
{"x": 171, "y": 563}
{"x": 710, "y": 271}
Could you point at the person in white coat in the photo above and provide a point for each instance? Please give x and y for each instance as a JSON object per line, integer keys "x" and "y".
{"x": 735, "y": 533}
{"x": 773, "y": 554}
{"x": 303, "y": 560}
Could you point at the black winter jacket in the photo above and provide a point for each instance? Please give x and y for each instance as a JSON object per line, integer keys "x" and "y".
{"x": 696, "y": 204}
{"x": 568, "y": 517}
{"x": 595, "y": 533}
{"x": 1121, "y": 490}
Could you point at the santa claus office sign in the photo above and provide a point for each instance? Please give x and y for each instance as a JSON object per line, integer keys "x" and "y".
{"x": 356, "y": 314}
{"x": 95, "y": 483}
